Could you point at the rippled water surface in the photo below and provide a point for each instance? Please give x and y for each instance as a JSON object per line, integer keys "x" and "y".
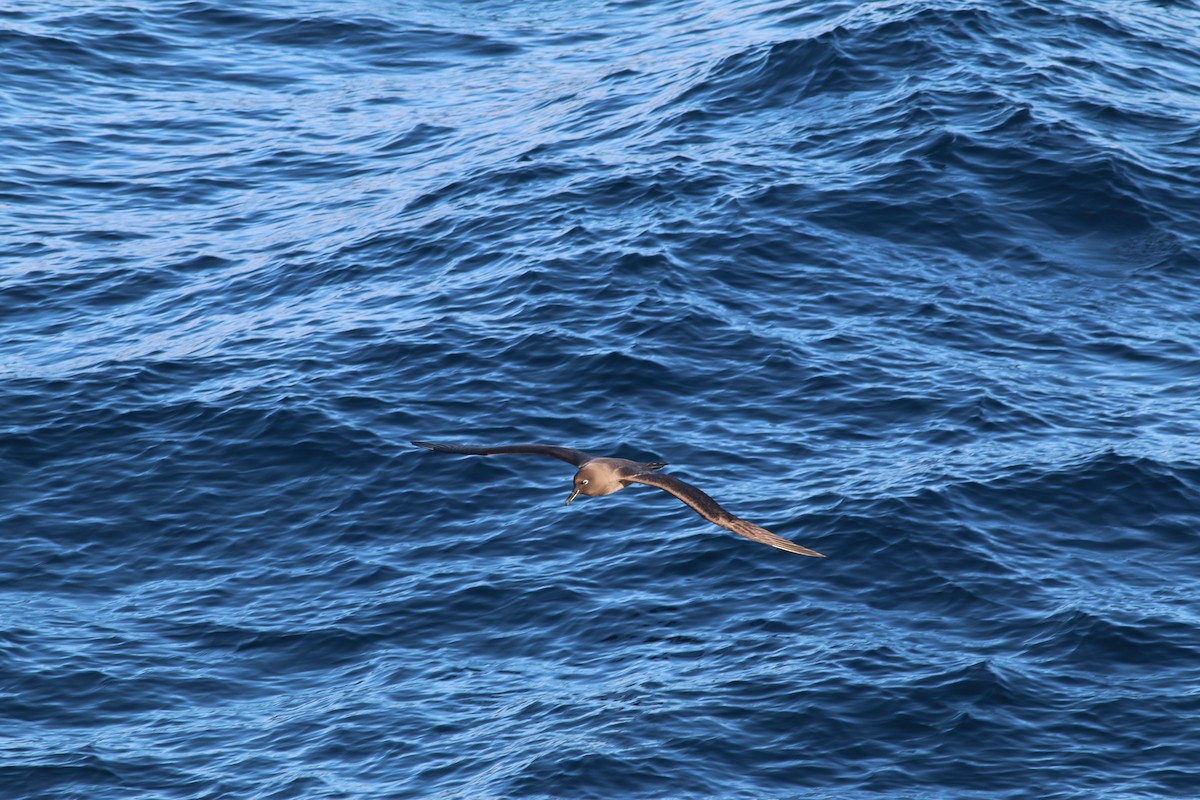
{"x": 915, "y": 284}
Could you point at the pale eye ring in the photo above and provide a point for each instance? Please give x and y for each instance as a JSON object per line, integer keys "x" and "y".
{"x": 583, "y": 482}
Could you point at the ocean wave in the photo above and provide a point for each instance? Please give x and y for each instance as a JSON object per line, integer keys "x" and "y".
{"x": 910, "y": 283}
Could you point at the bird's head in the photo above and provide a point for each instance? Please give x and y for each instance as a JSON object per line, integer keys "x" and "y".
{"x": 594, "y": 479}
{"x": 581, "y": 486}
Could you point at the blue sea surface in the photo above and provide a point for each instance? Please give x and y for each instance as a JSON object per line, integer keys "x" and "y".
{"x": 914, "y": 283}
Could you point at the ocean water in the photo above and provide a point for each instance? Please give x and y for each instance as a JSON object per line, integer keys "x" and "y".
{"x": 913, "y": 283}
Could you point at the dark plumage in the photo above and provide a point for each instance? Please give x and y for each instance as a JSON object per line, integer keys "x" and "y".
{"x": 599, "y": 476}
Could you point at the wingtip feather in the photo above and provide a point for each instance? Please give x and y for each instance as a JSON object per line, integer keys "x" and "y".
{"x": 760, "y": 534}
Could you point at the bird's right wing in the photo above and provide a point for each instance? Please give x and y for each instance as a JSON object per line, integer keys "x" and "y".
{"x": 576, "y": 457}
{"x": 708, "y": 508}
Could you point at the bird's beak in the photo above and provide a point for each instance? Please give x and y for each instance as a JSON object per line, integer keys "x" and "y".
{"x": 572, "y": 497}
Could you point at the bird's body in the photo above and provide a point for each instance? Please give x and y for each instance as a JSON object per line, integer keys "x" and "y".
{"x": 601, "y": 476}
{"x": 598, "y": 476}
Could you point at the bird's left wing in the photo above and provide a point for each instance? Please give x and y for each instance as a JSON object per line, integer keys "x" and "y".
{"x": 708, "y": 508}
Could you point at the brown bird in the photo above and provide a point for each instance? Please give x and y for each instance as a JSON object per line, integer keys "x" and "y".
{"x": 600, "y": 476}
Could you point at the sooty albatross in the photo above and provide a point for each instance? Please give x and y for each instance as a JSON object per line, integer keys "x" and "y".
{"x": 600, "y": 476}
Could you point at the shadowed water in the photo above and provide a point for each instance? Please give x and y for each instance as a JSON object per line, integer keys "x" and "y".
{"x": 911, "y": 283}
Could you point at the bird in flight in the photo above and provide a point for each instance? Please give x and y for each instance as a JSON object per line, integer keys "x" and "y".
{"x": 600, "y": 476}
